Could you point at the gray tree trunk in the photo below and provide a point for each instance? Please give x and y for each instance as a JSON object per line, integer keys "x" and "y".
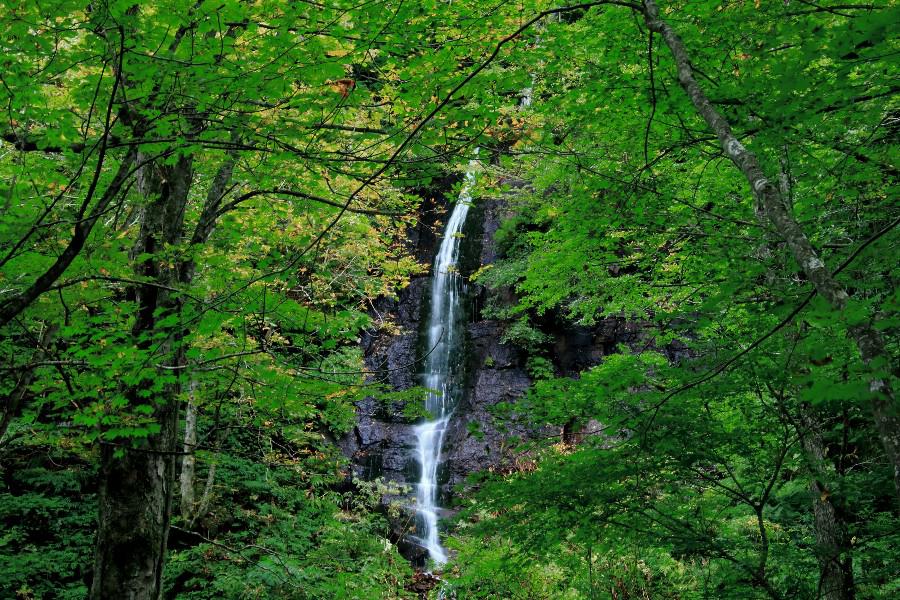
{"x": 136, "y": 484}
{"x": 188, "y": 462}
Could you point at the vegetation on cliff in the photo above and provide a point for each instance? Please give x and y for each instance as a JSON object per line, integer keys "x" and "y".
{"x": 201, "y": 201}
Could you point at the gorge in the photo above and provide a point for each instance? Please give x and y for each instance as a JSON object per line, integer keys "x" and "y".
{"x": 271, "y": 329}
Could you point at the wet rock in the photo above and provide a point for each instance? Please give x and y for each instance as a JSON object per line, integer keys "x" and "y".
{"x": 475, "y": 441}
{"x": 422, "y": 582}
{"x": 382, "y": 443}
{"x": 402, "y": 533}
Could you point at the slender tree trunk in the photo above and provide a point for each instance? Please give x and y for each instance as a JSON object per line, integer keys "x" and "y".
{"x": 832, "y": 546}
{"x": 192, "y": 508}
{"x": 188, "y": 461}
{"x": 203, "y": 504}
{"x": 772, "y": 208}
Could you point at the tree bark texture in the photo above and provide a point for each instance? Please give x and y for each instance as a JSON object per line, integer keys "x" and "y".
{"x": 773, "y": 209}
{"x": 832, "y": 544}
{"x": 136, "y": 483}
{"x": 132, "y": 533}
{"x": 188, "y": 462}
{"x": 136, "y": 489}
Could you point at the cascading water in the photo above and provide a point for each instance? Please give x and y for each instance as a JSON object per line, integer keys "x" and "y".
{"x": 442, "y": 368}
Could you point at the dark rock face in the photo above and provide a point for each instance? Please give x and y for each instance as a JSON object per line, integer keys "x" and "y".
{"x": 382, "y": 441}
{"x": 576, "y": 348}
{"x": 382, "y": 444}
{"x": 497, "y": 374}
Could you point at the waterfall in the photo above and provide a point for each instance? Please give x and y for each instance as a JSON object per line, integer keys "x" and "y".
{"x": 442, "y": 368}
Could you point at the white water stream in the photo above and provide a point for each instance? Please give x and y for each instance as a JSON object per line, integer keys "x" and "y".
{"x": 442, "y": 368}
{"x": 443, "y": 365}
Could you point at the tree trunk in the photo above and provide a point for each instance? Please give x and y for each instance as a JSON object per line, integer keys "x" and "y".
{"x": 772, "y": 208}
{"x": 188, "y": 461}
{"x": 832, "y": 544}
{"x": 192, "y": 509}
{"x": 136, "y": 482}
{"x": 203, "y": 504}
{"x": 136, "y": 488}
{"x": 135, "y": 492}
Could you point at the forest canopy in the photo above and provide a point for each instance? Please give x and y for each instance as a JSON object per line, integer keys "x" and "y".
{"x": 206, "y": 207}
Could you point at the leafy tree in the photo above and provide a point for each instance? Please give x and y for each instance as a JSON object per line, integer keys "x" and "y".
{"x": 201, "y": 201}
{"x": 726, "y": 452}
{"x": 222, "y": 213}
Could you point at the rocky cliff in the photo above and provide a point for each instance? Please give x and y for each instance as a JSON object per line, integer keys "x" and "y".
{"x": 382, "y": 442}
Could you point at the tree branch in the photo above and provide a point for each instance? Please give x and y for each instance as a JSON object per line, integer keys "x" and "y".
{"x": 770, "y": 206}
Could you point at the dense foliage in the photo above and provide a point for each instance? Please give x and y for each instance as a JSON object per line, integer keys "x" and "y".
{"x": 202, "y": 200}
{"x": 729, "y": 452}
